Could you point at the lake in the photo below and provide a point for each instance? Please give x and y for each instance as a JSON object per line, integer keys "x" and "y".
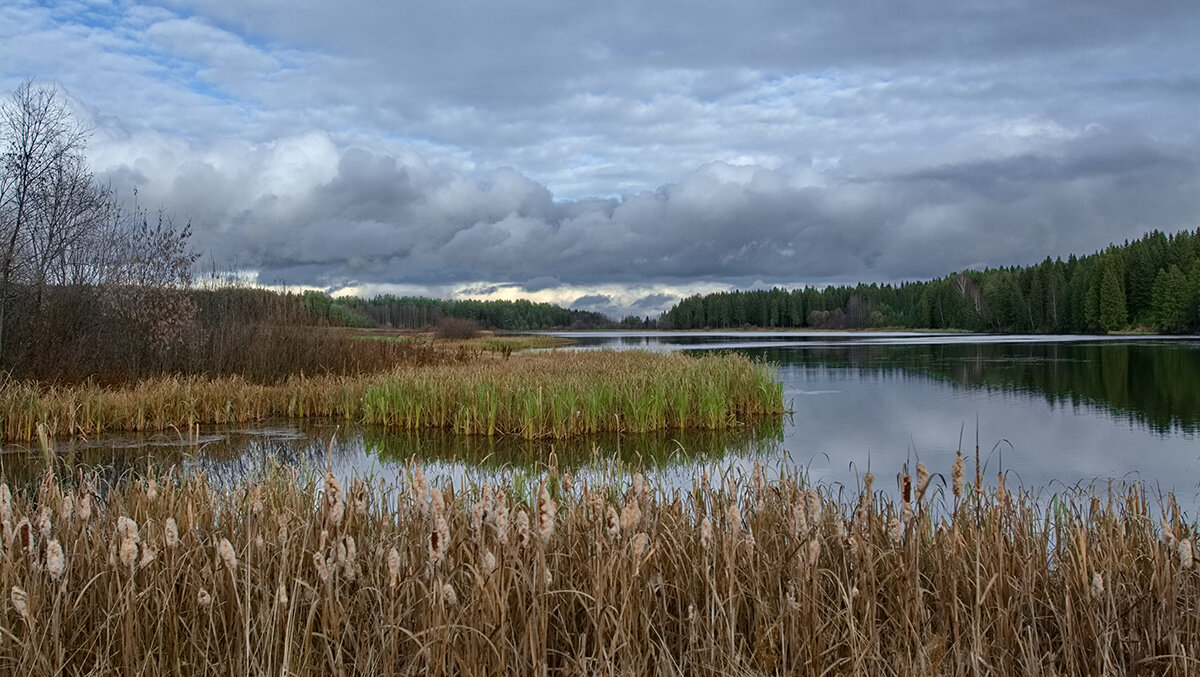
{"x": 1048, "y": 411}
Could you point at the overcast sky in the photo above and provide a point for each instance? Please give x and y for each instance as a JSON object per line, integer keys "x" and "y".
{"x": 616, "y": 155}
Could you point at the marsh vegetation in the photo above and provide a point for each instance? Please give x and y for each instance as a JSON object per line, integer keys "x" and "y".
{"x": 300, "y": 574}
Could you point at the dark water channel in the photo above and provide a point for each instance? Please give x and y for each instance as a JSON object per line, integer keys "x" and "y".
{"x": 1049, "y": 411}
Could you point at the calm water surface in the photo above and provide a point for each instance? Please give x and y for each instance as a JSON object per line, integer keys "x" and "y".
{"x": 1048, "y": 411}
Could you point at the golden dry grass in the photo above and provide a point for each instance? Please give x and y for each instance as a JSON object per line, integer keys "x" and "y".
{"x": 535, "y": 396}
{"x": 291, "y": 574}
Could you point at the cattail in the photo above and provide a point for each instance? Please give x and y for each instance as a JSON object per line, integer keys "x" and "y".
{"x": 1097, "y": 585}
{"x": 20, "y": 602}
{"x": 489, "y": 563}
{"x": 24, "y": 535}
{"x": 639, "y": 487}
{"x": 1001, "y": 492}
{"x": 55, "y": 564}
{"x": 641, "y": 542}
{"x": 5, "y": 503}
{"x": 151, "y": 490}
{"x": 750, "y": 544}
{"x": 959, "y": 470}
{"x": 478, "y": 515}
{"x": 66, "y": 506}
{"x": 437, "y": 504}
{"x": 868, "y": 498}
{"x": 631, "y": 515}
{"x": 204, "y": 598}
{"x": 449, "y": 595}
{"x": 614, "y": 523}
{"x": 322, "y": 567}
{"x": 547, "y": 511}
{"x": 896, "y": 531}
{"x": 225, "y": 550}
{"x": 706, "y": 533}
{"x": 44, "y": 522}
{"x": 906, "y": 513}
{"x": 420, "y": 489}
{"x": 566, "y": 482}
{"x": 1185, "y": 553}
{"x": 256, "y": 504}
{"x": 85, "y": 506}
{"x": 282, "y": 595}
{"x": 393, "y": 567}
{"x": 733, "y": 519}
{"x": 439, "y": 541}
{"x": 814, "y": 506}
{"x": 799, "y": 520}
{"x": 127, "y": 531}
{"x": 334, "y": 498}
{"x": 814, "y": 551}
{"x": 347, "y": 553}
{"x": 259, "y": 542}
{"x": 922, "y": 480}
{"x": 756, "y": 478}
{"x": 500, "y": 518}
{"x": 1168, "y": 533}
{"x": 148, "y": 555}
{"x": 523, "y": 527}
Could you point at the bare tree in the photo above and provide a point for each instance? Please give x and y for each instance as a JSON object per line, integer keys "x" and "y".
{"x": 38, "y": 138}
{"x": 77, "y": 271}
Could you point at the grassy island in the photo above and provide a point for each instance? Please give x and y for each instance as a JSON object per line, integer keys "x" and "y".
{"x": 548, "y": 395}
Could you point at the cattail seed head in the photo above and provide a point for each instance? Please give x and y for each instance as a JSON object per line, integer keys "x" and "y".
{"x": 813, "y": 498}
{"x": 613, "y": 523}
{"x": 20, "y": 602}
{"x": 334, "y": 498}
{"x": 448, "y": 594}
{"x": 814, "y": 551}
{"x": 420, "y": 490}
{"x": 1097, "y": 585}
{"x": 44, "y": 522}
{"x": 204, "y": 598}
{"x": 439, "y": 541}
{"x": 706, "y": 533}
{"x": 322, "y": 567}
{"x": 1185, "y": 553}
{"x": 756, "y": 478}
{"x": 228, "y": 557}
{"x": 896, "y": 531}
{"x": 5, "y": 503}
{"x": 641, "y": 541}
{"x": 958, "y": 473}
{"x": 488, "y": 562}
{"x": 547, "y": 512}
{"x": 151, "y": 490}
{"x": 631, "y": 515}
{"x": 922, "y": 480}
{"x": 55, "y": 564}
{"x": 523, "y": 527}
{"x": 148, "y": 555}
{"x": 733, "y": 519}
{"x": 127, "y": 532}
{"x": 393, "y": 568}
{"x": 500, "y": 518}
{"x": 282, "y": 595}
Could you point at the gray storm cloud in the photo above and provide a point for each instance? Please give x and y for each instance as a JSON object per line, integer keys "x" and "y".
{"x": 617, "y": 150}
{"x": 356, "y": 217}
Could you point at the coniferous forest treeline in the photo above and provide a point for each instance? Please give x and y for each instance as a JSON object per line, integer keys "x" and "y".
{"x": 1150, "y": 283}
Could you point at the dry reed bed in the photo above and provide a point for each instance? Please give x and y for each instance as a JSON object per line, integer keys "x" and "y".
{"x": 298, "y": 575}
{"x": 535, "y": 396}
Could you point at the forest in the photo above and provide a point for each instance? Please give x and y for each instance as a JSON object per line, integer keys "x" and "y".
{"x": 1150, "y": 284}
